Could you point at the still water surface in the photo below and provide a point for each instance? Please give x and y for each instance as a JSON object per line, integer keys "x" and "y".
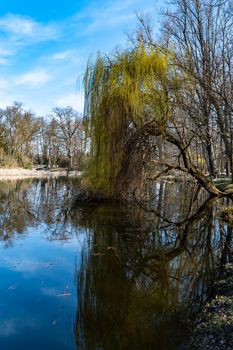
{"x": 101, "y": 276}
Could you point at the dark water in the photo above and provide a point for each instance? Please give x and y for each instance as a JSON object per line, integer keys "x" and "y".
{"x": 103, "y": 277}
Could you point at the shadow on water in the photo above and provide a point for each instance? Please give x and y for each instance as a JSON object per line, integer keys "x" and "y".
{"x": 139, "y": 274}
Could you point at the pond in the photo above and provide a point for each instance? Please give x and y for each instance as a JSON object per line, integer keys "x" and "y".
{"x": 104, "y": 276}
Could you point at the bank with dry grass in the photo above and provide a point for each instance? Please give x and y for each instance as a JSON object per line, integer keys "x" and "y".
{"x": 20, "y": 173}
{"x": 213, "y": 328}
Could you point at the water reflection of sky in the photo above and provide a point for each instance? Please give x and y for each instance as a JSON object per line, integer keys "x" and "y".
{"x": 37, "y": 292}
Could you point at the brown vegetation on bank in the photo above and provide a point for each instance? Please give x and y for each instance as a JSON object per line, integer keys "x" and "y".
{"x": 213, "y": 329}
{"x": 20, "y": 173}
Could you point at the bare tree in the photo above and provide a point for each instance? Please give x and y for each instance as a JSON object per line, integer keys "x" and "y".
{"x": 19, "y": 128}
{"x": 200, "y": 35}
{"x": 69, "y": 132}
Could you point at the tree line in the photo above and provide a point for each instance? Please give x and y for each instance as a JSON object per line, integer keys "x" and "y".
{"x": 27, "y": 140}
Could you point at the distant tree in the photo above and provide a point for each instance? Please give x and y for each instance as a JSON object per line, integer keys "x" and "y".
{"x": 67, "y": 129}
{"x": 19, "y": 128}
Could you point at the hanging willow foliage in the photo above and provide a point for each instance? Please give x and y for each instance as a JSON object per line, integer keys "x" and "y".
{"x": 122, "y": 94}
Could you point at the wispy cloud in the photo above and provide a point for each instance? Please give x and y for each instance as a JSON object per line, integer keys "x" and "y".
{"x": 110, "y": 15}
{"x": 4, "y": 83}
{"x": 8, "y": 327}
{"x": 13, "y": 326}
{"x": 61, "y": 56}
{"x": 71, "y": 55}
{"x": 4, "y": 61}
{"x": 5, "y": 52}
{"x": 17, "y": 32}
{"x": 33, "y": 79}
{"x": 30, "y": 79}
{"x": 75, "y": 100}
{"x": 21, "y": 27}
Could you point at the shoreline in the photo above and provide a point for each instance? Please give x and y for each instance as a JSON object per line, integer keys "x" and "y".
{"x": 20, "y": 174}
{"x": 213, "y": 327}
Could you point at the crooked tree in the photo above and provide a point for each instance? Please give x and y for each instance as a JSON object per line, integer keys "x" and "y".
{"x": 130, "y": 102}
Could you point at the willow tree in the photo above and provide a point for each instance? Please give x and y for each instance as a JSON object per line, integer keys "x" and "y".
{"x": 124, "y": 95}
{"x": 132, "y": 103}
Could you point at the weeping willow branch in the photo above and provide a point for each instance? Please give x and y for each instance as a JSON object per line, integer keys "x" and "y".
{"x": 122, "y": 96}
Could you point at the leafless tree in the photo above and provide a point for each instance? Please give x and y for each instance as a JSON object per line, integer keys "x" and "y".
{"x": 69, "y": 132}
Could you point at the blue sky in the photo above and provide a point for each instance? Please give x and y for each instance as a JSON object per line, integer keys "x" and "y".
{"x": 44, "y": 46}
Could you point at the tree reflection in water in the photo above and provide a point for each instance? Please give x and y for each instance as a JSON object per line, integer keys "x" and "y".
{"x": 142, "y": 275}
{"x": 142, "y": 272}
{"x": 27, "y": 203}
{"x": 15, "y": 214}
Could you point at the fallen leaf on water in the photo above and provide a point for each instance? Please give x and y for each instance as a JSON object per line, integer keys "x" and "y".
{"x": 55, "y": 322}
{"x": 65, "y": 294}
{"x": 13, "y": 286}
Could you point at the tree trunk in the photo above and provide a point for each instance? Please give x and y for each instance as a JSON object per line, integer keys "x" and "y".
{"x": 204, "y": 181}
{"x": 211, "y": 159}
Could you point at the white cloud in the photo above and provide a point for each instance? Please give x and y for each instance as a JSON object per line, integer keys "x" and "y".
{"x": 75, "y": 100}
{"x": 52, "y": 292}
{"x": 6, "y": 100}
{"x": 107, "y": 20}
{"x": 4, "y": 83}
{"x": 63, "y": 55}
{"x": 15, "y": 24}
{"x": 33, "y": 79}
{"x": 8, "y": 327}
{"x": 21, "y": 28}
{"x": 5, "y": 52}
{"x": 111, "y": 15}
{"x": 71, "y": 55}
{"x": 4, "y": 61}
{"x": 13, "y": 326}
